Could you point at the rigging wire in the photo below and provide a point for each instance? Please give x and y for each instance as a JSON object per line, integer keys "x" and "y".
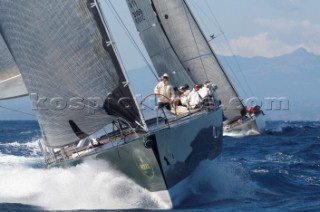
{"x": 225, "y": 75}
{"x": 205, "y": 14}
{"x": 17, "y": 111}
{"x": 215, "y": 21}
{"x": 233, "y": 76}
{"x": 125, "y": 29}
{"x": 238, "y": 65}
{"x": 229, "y": 46}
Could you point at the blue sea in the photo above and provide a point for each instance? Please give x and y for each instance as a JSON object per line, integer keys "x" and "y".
{"x": 276, "y": 171}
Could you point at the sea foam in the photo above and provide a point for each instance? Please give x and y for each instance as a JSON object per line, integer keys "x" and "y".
{"x": 91, "y": 185}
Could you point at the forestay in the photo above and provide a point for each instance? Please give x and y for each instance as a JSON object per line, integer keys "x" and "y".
{"x": 11, "y": 83}
{"x": 69, "y": 67}
{"x": 189, "y": 44}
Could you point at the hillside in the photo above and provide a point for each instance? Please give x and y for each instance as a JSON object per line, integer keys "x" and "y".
{"x": 295, "y": 76}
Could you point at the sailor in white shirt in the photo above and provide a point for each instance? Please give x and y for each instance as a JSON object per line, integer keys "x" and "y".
{"x": 194, "y": 98}
{"x": 178, "y": 109}
{"x": 165, "y": 91}
{"x": 204, "y": 91}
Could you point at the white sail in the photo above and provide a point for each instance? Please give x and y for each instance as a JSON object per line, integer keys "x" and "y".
{"x": 189, "y": 44}
{"x": 69, "y": 67}
{"x": 11, "y": 83}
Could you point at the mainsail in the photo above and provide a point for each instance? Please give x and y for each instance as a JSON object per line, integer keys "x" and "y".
{"x": 69, "y": 67}
{"x": 181, "y": 33}
{"x": 11, "y": 83}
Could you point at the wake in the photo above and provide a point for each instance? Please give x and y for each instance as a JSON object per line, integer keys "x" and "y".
{"x": 90, "y": 185}
{"x": 96, "y": 185}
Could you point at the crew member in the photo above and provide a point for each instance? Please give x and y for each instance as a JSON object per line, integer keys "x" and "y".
{"x": 165, "y": 92}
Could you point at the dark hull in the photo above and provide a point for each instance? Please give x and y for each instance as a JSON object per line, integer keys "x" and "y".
{"x": 161, "y": 159}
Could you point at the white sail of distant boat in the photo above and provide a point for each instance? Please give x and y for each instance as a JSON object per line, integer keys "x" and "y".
{"x": 84, "y": 102}
{"x": 173, "y": 37}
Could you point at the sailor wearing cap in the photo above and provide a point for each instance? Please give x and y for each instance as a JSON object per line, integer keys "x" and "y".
{"x": 165, "y": 92}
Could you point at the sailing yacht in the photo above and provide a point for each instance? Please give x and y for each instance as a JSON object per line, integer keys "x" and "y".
{"x": 176, "y": 43}
{"x": 251, "y": 122}
{"x": 83, "y": 99}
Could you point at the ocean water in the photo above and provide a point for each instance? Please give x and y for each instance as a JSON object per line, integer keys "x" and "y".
{"x": 276, "y": 171}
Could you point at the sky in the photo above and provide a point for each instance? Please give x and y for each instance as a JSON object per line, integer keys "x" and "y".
{"x": 266, "y": 28}
{"x": 251, "y": 28}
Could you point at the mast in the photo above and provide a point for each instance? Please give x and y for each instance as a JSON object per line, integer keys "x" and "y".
{"x": 117, "y": 55}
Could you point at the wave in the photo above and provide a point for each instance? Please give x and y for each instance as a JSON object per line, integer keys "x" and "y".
{"x": 280, "y": 157}
{"x": 213, "y": 182}
{"x": 96, "y": 185}
{"x": 91, "y": 185}
{"x": 26, "y": 132}
{"x": 240, "y": 134}
{"x": 271, "y": 170}
{"x": 15, "y": 148}
{"x": 280, "y": 128}
{"x": 287, "y": 127}
{"x": 19, "y": 161}
{"x": 32, "y": 144}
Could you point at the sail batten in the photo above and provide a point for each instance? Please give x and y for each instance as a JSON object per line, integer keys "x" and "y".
{"x": 74, "y": 77}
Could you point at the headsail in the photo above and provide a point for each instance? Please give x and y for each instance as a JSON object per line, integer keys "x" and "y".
{"x": 189, "y": 45}
{"x": 11, "y": 83}
{"x": 156, "y": 42}
{"x": 69, "y": 66}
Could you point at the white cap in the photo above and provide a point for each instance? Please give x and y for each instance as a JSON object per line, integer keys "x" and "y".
{"x": 165, "y": 75}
